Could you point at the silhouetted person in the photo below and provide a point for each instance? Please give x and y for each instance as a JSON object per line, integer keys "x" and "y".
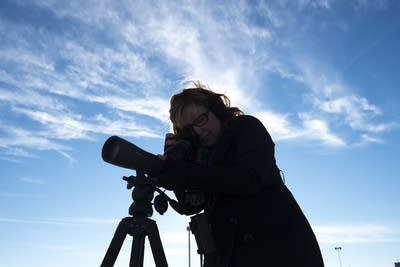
{"x": 254, "y": 218}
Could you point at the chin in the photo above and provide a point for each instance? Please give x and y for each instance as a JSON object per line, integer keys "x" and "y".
{"x": 208, "y": 143}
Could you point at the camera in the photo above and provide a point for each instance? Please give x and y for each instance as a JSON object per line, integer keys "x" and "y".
{"x": 184, "y": 146}
{"x": 120, "y": 152}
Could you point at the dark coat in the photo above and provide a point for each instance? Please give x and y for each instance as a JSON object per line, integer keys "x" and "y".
{"x": 255, "y": 220}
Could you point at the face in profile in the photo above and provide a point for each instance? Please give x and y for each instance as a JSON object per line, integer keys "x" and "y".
{"x": 203, "y": 123}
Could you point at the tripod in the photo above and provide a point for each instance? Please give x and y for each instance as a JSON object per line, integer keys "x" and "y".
{"x": 138, "y": 226}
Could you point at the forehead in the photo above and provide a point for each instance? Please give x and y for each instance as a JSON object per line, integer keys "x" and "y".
{"x": 189, "y": 113}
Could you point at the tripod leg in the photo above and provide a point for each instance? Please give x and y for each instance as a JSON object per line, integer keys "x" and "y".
{"x": 138, "y": 228}
{"x": 137, "y": 251}
{"x": 116, "y": 244}
{"x": 155, "y": 244}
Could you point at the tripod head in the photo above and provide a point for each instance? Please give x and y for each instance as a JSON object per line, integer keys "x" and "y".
{"x": 142, "y": 194}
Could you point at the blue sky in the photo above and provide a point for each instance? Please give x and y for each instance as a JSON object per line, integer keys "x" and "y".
{"x": 322, "y": 75}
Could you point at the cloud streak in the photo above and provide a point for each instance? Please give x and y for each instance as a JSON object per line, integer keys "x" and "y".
{"x": 112, "y": 68}
{"x": 355, "y": 234}
{"x": 30, "y": 180}
{"x": 327, "y": 234}
{"x": 59, "y": 221}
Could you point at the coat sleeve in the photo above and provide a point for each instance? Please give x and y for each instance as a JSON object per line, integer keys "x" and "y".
{"x": 249, "y": 168}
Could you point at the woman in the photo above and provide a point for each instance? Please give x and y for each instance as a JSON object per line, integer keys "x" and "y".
{"x": 254, "y": 219}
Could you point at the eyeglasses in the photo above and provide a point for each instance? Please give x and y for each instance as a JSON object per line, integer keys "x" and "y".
{"x": 200, "y": 121}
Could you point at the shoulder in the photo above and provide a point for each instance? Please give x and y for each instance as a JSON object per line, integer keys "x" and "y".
{"x": 249, "y": 127}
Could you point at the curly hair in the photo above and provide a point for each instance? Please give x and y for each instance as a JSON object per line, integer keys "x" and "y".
{"x": 199, "y": 94}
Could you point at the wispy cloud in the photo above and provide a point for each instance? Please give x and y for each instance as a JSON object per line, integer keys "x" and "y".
{"x": 352, "y": 233}
{"x": 31, "y": 180}
{"x": 17, "y": 195}
{"x": 367, "y": 139}
{"x": 341, "y": 110}
{"x": 317, "y": 129}
{"x": 51, "y": 75}
{"x": 279, "y": 125}
{"x": 126, "y": 60}
{"x": 357, "y": 112}
{"x": 59, "y": 221}
{"x": 309, "y": 128}
{"x": 328, "y": 234}
{"x": 19, "y": 137}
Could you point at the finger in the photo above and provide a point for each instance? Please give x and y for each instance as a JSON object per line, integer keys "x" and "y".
{"x": 170, "y": 139}
{"x": 169, "y": 136}
{"x": 163, "y": 157}
{"x": 170, "y": 142}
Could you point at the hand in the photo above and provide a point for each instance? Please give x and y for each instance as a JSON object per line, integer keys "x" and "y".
{"x": 176, "y": 175}
{"x": 170, "y": 140}
{"x": 165, "y": 179}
